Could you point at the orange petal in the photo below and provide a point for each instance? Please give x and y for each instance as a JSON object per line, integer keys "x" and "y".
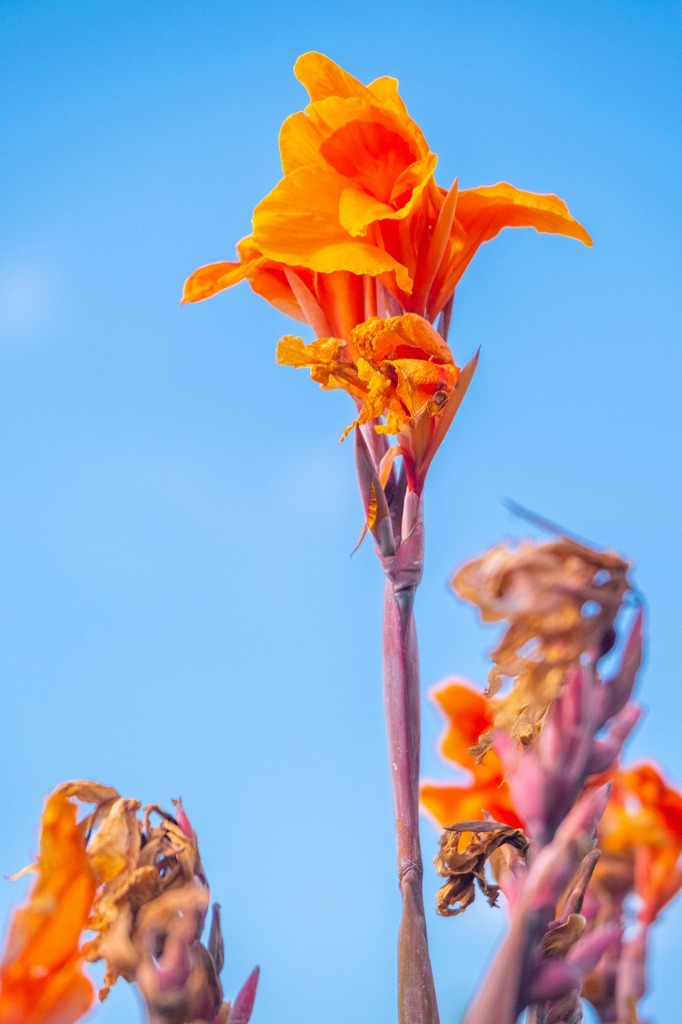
{"x": 469, "y": 715}
{"x": 44, "y": 935}
{"x": 66, "y": 997}
{"x": 211, "y": 279}
{"x": 386, "y": 91}
{"x": 322, "y": 77}
{"x": 400, "y": 337}
{"x": 450, "y": 804}
{"x": 299, "y": 142}
{"x": 482, "y": 213}
{"x": 298, "y": 224}
{"x": 358, "y": 210}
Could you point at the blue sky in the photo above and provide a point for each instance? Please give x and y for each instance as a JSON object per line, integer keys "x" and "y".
{"x": 179, "y": 614}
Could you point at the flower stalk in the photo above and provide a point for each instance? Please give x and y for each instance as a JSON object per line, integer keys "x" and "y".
{"x": 416, "y": 990}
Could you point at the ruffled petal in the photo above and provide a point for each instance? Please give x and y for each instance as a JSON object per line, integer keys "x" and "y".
{"x": 293, "y": 351}
{"x": 41, "y": 976}
{"x": 385, "y": 90}
{"x": 481, "y": 214}
{"x": 484, "y": 212}
{"x": 298, "y": 224}
{"x": 400, "y": 337}
{"x": 358, "y": 210}
{"x": 323, "y": 77}
{"x": 299, "y": 142}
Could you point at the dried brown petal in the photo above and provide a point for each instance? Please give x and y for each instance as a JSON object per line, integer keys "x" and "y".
{"x": 557, "y": 941}
{"x": 115, "y": 847}
{"x": 464, "y": 850}
{"x": 560, "y": 600}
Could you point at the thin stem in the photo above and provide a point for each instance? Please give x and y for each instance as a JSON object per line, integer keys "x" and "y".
{"x": 401, "y": 697}
{"x": 416, "y": 990}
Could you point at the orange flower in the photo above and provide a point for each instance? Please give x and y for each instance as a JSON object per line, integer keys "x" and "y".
{"x": 357, "y": 226}
{"x": 468, "y": 714}
{"x": 643, "y": 825}
{"x": 399, "y": 368}
{"x": 41, "y": 977}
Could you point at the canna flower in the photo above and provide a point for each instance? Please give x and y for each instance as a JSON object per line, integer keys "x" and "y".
{"x": 357, "y": 226}
{"x": 640, "y": 838}
{"x": 41, "y": 975}
{"x": 469, "y": 714}
{"x": 399, "y": 368}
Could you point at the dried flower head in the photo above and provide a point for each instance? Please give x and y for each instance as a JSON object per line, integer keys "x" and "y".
{"x": 560, "y": 600}
{"x": 137, "y": 882}
{"x": 465, "y": 849}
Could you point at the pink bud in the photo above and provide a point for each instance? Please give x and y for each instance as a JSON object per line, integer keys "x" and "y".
{"x": 182, "y": 819}
{"x": 242, "y": 1007}
{"x": 616, "y": 692}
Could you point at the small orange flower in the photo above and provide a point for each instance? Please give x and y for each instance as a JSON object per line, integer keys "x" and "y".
{"x": 397, "y": 367}
{"x": 358, "y": 226}
{"x": 643, "y": 824}
{"x": 468, "y": 714}
{"x": 41, "y": 975}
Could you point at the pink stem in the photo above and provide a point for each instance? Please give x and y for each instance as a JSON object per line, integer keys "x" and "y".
{"x": 416, "y": 990}
{"x": 401, "y": 698}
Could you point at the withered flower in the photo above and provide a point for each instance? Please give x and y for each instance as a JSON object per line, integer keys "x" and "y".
{"x": 465, "y": 849}
{"x": 560, "y": 600}
{"x": 147, "y": 904}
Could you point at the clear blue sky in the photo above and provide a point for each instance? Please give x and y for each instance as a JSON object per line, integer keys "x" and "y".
{"x": 179, "y": 614}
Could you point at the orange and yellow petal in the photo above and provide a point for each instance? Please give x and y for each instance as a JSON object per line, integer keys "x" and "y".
{"x": 451, "y": 804}
{"x": 41, "y": 971}
{"x": 482, "y": 213}
{"x": 468, "y": 714}
{"x": 407, "y": 336}
{"x": 298, "y": 224}
{"x": 644, "y": 818}
{"x": 323, "y": 77}
{"x": 359, "y": 138}
{"x": 213, "y": 278}
{"x": 359, "y": 209}
{"x": 385, "y": 90}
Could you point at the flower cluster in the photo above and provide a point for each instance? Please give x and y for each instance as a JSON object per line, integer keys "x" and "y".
{"x": 536, "y": 782}
{"x": 140, "y": 888}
